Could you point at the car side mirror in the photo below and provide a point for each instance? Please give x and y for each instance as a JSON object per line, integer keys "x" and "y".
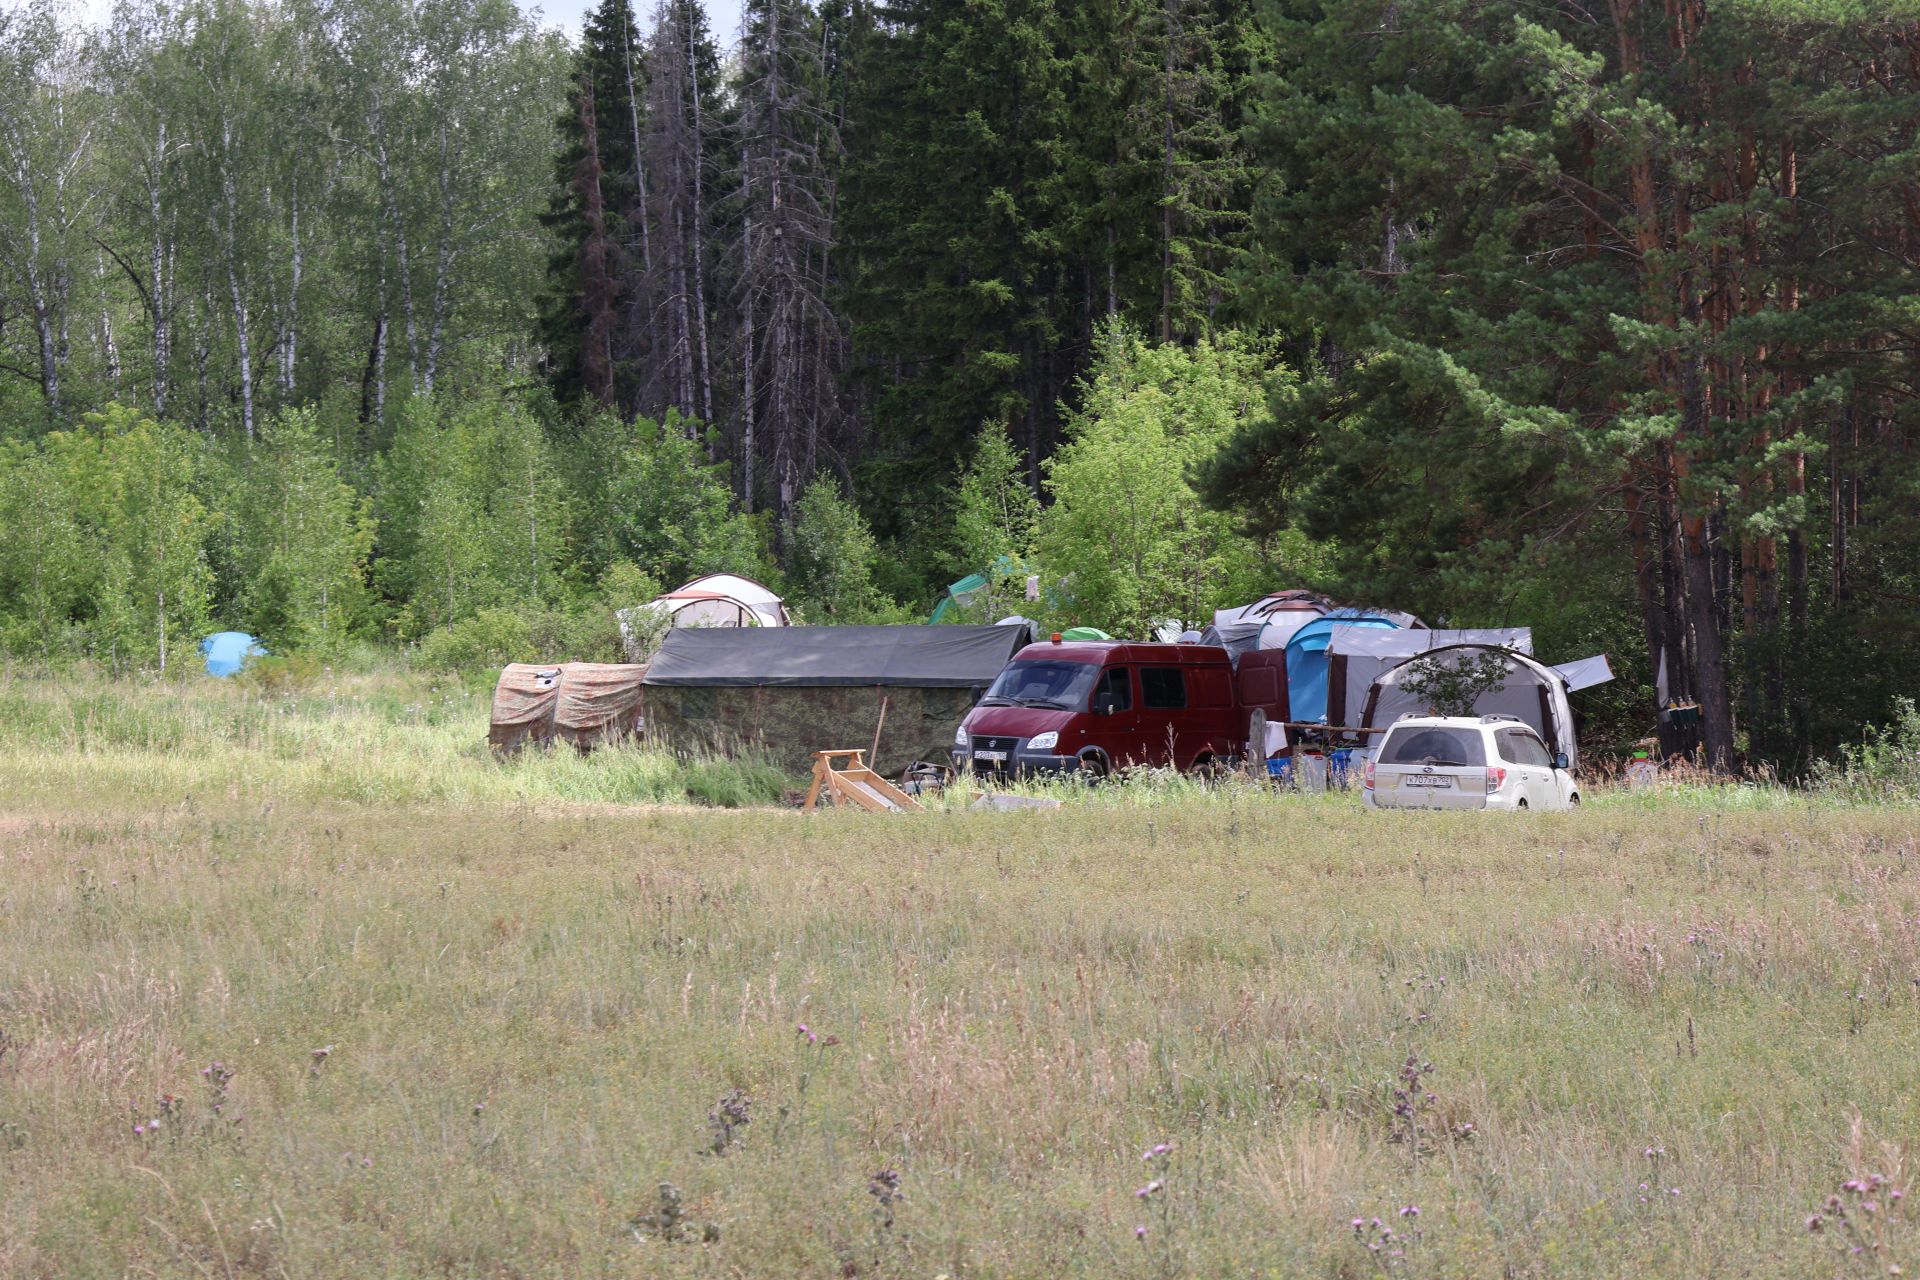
{"x": 1103, "y": 704}
{"x": 1560, "y": 760}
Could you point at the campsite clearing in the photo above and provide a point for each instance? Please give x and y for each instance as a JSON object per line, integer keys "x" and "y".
{"x": 469, "y": 1028}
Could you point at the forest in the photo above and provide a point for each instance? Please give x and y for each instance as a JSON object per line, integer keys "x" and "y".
{"x": 355, "y": 322}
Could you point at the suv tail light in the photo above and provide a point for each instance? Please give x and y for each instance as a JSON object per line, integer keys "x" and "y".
{"x": 1367, "y": 777}
{"x": 1496, "y": 779}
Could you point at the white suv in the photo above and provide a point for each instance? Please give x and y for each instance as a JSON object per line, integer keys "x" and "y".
{"x": 1467, "y": 762}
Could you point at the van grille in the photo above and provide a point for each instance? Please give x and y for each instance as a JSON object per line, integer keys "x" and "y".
{"x": 995, "y": 744}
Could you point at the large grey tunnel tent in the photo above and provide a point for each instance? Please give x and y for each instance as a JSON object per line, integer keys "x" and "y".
{"x": 1533, "y": 692}
{"x": 788, "y": 692}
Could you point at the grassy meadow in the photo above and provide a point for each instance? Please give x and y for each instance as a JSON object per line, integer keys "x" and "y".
{"x": 402, "y": 1011}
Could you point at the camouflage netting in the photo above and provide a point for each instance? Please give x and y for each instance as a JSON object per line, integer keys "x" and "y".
{"x": 788, "y": 723}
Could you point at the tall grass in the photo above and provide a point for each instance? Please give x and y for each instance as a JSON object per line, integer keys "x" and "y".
{"x": 453, "y": 1027}
{"x": 379, "y": 737}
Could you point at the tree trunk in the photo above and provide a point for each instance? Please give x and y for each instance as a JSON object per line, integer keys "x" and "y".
{"x": 237, "y": 295}
{"x": 160, "y": 283}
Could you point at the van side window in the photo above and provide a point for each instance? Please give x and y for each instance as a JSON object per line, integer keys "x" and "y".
{"x": 1163, "y": 688}
{"x": 1118, "y": 687}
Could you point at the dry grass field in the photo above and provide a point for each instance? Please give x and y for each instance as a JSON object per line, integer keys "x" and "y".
{"x": 302, "y": 984}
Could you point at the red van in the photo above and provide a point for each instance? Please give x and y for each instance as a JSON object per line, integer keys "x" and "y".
{"x": 1096, "y": 706}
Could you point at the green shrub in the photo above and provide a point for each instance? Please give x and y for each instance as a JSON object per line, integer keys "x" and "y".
{"x": 491, "y": 638}
{"x": 1885, "y": 765}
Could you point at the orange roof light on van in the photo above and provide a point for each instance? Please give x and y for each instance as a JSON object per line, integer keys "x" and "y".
{"x": 1056, "y": 637}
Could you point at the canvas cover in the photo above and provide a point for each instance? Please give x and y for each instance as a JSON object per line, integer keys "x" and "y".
{"x": 1307, "y": 658}
{"x": 876, "y": 656}
{"x": 1532, "y": 692}
{"x": 1357, "y": 656}
{"x": 585, "y": 703}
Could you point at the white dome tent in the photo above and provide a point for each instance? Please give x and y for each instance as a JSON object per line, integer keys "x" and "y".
{"x": 717, "y": 600}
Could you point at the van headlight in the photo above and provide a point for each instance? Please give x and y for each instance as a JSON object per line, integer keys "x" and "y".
{"x": 1044, "y": 741}
{"x": 960, "y": 739}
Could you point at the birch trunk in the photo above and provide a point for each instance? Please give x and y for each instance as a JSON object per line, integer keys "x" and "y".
{"x": 242, "y": 329}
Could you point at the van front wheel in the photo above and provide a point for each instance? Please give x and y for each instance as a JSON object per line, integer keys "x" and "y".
{"x": 1093, "y": 766}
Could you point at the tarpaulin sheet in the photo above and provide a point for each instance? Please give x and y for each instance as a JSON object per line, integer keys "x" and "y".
{"x": 580, "y": 702}
{"x": 923, "y": 657}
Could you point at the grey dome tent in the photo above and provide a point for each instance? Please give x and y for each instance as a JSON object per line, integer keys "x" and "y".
{"x": 1532, "y": 692}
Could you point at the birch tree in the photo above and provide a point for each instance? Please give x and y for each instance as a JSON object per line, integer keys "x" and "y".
{"x": 47, "y": 137}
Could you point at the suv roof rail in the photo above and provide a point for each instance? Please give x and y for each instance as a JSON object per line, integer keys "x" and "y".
{"x": 1489, "y": 719}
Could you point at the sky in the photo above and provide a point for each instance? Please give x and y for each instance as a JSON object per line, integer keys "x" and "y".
{"x": 722, "y": 15}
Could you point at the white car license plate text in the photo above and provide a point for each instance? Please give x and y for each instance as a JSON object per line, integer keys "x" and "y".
{"x": 991, "y": 757}
{"x": 1422, "y": 780}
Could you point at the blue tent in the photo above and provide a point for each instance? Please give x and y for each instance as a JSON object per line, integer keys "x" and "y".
{"x": 227, "y": 651}
{"x": 1307, "y": 659}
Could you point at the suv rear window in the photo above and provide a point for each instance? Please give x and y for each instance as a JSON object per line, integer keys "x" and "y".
{"x": 1434, "y": 744}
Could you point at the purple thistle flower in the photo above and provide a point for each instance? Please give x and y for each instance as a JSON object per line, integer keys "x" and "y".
{"x": 1869, "y": 1206}
{"x": 1359, "y": 1224}
{"x": 1815, "y": 1222}
{"x": 802, "y": 1029}
{"x": 139, "y": 1130}
{"x": 1140, "y": 1232}
{"x": 1411, "y": 1211}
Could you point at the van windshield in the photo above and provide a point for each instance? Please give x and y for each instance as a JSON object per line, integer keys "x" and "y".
{"x": 1061, "y": 685}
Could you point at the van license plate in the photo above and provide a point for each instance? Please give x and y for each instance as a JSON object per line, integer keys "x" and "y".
{"x": 991, "y": 757}
{"x": 1424, "y": 780}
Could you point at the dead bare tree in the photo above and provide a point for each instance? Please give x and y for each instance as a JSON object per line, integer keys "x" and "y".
{"x": 788, "y": 333}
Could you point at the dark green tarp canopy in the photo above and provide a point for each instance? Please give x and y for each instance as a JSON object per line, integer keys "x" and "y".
{"x": 924, "y": 657}
{"x": 783, "y": 693}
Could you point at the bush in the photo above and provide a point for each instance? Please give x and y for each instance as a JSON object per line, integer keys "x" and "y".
{"x": 491, "y": 638}
{"x": 280, "y": 673}
{"x": 1884, "y": 766}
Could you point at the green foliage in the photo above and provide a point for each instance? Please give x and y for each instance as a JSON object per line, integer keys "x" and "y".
{"x": 1883, "y": 766}
{"x": 995, "y": 513}
{"x": 479, "y": 644}
{"x": 104, "y": 543}
{"x": 1126, "y": 533}
{"x": 302, "y": 537}
{"x": 670, "y": 512}
{"x": 1452, "y": 684}
{"x": 834, "y": 558}
{"x": 472, "y": 513}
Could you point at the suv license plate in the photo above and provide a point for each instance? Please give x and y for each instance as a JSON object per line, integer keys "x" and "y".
{"x": 1425, "y": 780}
{"x": 991, "y": 757}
